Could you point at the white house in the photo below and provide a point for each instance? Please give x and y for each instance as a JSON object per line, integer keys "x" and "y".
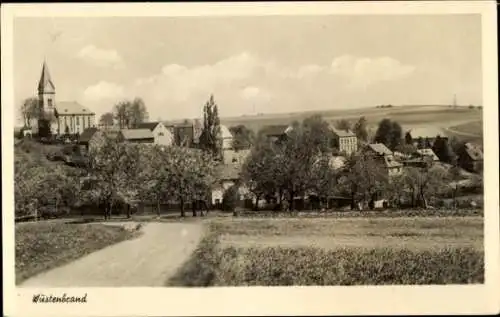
{"x": 227, "y": 137}
{"x": 162, "y": 134}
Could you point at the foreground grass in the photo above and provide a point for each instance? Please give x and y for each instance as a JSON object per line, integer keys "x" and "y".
{"x": 45, "y": 245}
{"x": 218, "y": 263}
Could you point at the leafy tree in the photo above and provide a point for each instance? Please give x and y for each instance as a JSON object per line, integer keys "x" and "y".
{"x": 423, "y": 182}
{"x": 113, "y": 174}
{"x": 443, "y": 150}
{"x": 106, "y": 120}
{"x": 420, "y": 143}
{"x": 230, "y": 199}
{"x": 343, "y": 124}
{"x": 243, "y": 138}
{"x": 130, "y": 113}
{"x": 389, "y": 133}
{"x": 363, "y": 179}
{"x": 360, "y": 129}
{"x": 210, "y": 138}
{"x": 408, "y": 138}
{"x": 30, "y": 110}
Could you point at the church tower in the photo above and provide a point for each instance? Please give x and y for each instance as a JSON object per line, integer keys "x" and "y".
{"x": 47, "y": 123}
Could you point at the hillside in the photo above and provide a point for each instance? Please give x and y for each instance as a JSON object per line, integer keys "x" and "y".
{"x": 408, "y": 116}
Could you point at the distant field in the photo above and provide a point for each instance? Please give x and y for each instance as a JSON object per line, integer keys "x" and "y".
{"x": 348, "y": 251}
{"x": 468, "y": 131}
{"x": 407, "y": 116}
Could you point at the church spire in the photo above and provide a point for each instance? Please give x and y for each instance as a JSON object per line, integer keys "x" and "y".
{"x": 45, "y": 85}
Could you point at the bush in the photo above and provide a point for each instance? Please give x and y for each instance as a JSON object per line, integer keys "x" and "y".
{"x": 230, "y": 199}
{"x": 211, "y": 265}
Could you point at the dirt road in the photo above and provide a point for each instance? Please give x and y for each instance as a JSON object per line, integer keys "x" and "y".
{"x": 147, "y": 261}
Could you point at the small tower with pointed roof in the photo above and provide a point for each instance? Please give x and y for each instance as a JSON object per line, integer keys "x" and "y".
{"x": 47, "y": 104}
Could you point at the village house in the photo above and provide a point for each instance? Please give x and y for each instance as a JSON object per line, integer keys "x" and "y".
{"x": 185, "y": 133}
{"x": 235, "y": 157}
{"x": 384, "y": 156}
{"x": 162, "y": 135}
{"x": 228, "y": 175}
{"x": 64, "y": 117}
{"x": 471, "y": 158}
{"x": 428, "y": 153}
{"x": 227, "y": 137}
{"x": 345, "y": 141}
{"x": 426, "y": 135}
{"x": 275, "y": 132}
{"x": 92, "y": 138}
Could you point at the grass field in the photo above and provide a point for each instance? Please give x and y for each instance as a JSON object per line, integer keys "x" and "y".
{"x": 347, "y": 251}
{"x": 41, "y": 246}
{"x": 408, "y": 116}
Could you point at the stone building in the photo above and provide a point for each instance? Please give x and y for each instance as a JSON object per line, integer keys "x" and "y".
{"x": 64, "y": 117}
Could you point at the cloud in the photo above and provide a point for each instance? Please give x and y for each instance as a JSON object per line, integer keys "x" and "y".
{"x": 100, "y": 57}
{"x": 361, "y": 72}
{"x": 103, "y": 91}
{"x": 245, "y": 83}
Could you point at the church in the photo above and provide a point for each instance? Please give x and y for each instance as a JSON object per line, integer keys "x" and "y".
{"x": 63, "y": 117}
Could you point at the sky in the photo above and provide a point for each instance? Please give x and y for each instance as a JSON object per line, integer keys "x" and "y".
{"x": 266, "y": 64}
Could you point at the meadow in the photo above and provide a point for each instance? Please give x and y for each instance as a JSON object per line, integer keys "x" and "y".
{"x": 44, "y": 245}
{"x": 440, "y": 116}
{"x": 337, "y": 251}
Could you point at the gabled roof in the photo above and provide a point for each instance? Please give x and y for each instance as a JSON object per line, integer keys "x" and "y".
{"x": 379, "y": 148}
{"x": 473, "y": 151}
{"x": 136, "y": 134}
{"x": 275, "y": 130}
{"x": 45, "y": 85}
{"x": 342, "y": 133}
{"x": 72, "y": 107}
{"x": 87, "y": 134}
{"x": 428, "y": 152}
{"x": 225, "y": 133}
{"x": 147, "y": 125}
{"x": 426, "y": 132}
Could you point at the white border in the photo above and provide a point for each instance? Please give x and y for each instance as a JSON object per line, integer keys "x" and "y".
{"x": 264, "y": 300}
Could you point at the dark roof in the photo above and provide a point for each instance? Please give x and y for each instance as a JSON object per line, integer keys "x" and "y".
{"x": 45, "y": 84}
{"x": 147, "y": 125}
{"x": 379, "y": 148}
{"x": 342, "y": 133}
{"x": 274, "y": 130}
{"x": 87, "y": 134}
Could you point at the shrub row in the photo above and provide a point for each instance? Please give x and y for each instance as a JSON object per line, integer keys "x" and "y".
{"x": 212, "y": 265}
{"x": 352, "y": 214}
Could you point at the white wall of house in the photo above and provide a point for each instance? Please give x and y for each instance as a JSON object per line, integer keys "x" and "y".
{"x": 163, "y": 136}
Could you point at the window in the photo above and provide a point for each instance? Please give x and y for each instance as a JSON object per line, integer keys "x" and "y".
{"x": 77, "y": 120}
{"x": 49, "y": 103}
{"x": 88, "y": 119}
{"x": 160, "y": 134}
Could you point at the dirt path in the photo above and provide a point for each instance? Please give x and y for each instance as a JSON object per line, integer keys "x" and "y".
{"x": 147, "y": 261}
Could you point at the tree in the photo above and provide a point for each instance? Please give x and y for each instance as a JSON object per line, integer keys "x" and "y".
{"x": 230, "y": 199}
{"x": 389, "y": 133}
{"x": 360, "y": 129}
{"x": 30, "y": 110}
{"x": 443, "y": 150}
{"x": 210, "y": 139}
{"x": 137, "y": 112}
{"x": 106, "y": 120}
{"x": 243, "y": 138}
{"x": 363, "y": 179}
{"x": 259, "y": 170}
{"x": 130, "y": 113}
{"x": 113, "y": 174}
{"x": 343, "y": 124}
{"x": 408, "y": 138}
{"x": 422, "y": 182}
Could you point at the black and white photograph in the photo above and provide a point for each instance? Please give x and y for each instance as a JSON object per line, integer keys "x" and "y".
{"x": 207, "y": 151}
